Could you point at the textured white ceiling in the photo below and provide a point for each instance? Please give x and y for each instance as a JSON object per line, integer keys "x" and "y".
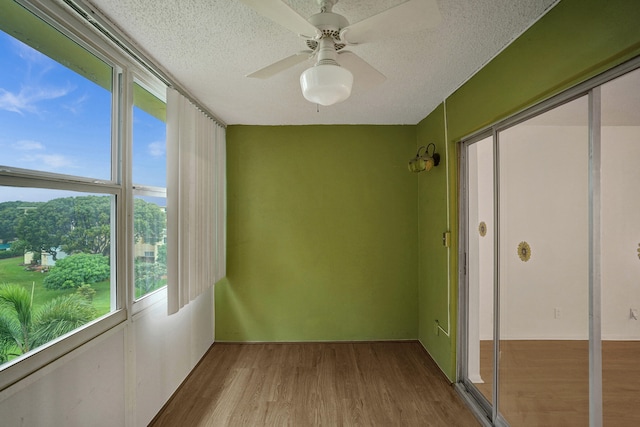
{"x": 208, "y": 46}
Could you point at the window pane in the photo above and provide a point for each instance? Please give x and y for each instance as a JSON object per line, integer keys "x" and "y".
{"x": 543, "y": 275}
{"x": 481, "y": 263}
{"x": 620, "y": 250}
{"x": 55, "y": 265}
{"x": 149, "y": 170}
{"x": 150, "y": 233}
{"x": 53, "y": 119}
{"x": 149, "y": 139}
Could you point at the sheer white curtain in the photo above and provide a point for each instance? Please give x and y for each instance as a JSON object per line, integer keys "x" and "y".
{"x": 196, "y": 201}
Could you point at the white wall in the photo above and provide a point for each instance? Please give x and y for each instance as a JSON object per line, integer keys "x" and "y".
{"x": 122, "y": 378}
{"x": 620, "y": 231}
{"x": 480, "y": 252}
{"x": 544, "y": 202}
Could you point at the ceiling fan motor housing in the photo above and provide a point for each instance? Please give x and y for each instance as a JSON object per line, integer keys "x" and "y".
{"x": 326, "y": 83}
{"x": 329, "y": 24}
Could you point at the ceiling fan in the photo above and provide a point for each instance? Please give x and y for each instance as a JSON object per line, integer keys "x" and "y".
{"x": 330, "y": 79}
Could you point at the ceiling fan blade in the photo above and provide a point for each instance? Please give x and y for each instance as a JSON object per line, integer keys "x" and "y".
{"x": 282, "y": 14}
{"x": 409, "y": 16}
{"x": 365, "y": 76}
{"x": 283, "y": 64}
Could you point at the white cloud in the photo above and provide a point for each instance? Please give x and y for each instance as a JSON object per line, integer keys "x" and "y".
{"x": 26, "y": 145}
{"x": 156, "y": 149}
{"x": 55, "y": 161}
{"x": 28, "y": 53}
{"x": 25, "y": 101}
{"x": 77, "y": 104}
{"x": 34, "y": 152}
{"x": 48, "y": 161}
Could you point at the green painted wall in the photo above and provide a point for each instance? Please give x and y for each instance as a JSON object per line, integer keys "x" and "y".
{"x": 576, "y": 40}
{"x": 435, "y": 303}
{"x": 43, "y": 37}
{"x": 322, "y": 241}
{"x": 329, "y": 236}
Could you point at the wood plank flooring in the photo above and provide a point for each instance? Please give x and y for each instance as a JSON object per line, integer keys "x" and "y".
{"x": 546, "y": 383}
{"x": 316, "y": 384}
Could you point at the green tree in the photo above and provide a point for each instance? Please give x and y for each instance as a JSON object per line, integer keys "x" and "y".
{"x": 149, "y": 276}
{"x": 90, "y": 226}
{"x": 162, "y": 255}
{"x": 22, "y": 330}
{"x": 10, "y": 213}
{"x": 43, "y": 229}
{"x": 150, "y": 222}
{"x": 70, "y": 224}
{"x": 77, "y": 270}
{"x": 83, "y": 224}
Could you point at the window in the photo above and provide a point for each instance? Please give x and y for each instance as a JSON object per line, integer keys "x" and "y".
{"x": 55, "y": 118}
{"x": 57, "y": 275}
{"x": 82, "y": 187}
{"x": 57, "y": 193}
{"x": 62, "y": 203}
{"x": 149, "y": 177}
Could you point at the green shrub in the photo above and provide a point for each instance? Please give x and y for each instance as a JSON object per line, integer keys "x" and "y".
{"x": 8, "y": 254}
{"x": 76, "y": 270}
{"x": 86, "y": 291}
{"x": 149, "y": 276}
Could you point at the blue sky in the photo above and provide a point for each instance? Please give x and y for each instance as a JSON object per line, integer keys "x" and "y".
{"x": 54, "y": 120}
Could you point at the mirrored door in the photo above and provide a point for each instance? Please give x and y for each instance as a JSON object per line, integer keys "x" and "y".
{"x": 620, "y": 250}
{"x": 543, "y": 263}
{"x": 480, "y": 342}
{"x": 551, "y": 268}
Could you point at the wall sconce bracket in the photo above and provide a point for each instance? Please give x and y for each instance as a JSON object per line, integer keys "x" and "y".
{"x": 426, "y": 160}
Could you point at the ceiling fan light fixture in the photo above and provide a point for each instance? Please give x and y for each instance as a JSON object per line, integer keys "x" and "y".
{"x": 326, "y": 84}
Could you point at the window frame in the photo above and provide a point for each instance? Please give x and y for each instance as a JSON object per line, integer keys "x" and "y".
{"x": 589, "y": 88}
{"x": 65, "y": 19}
{"x": 158, "y": 89}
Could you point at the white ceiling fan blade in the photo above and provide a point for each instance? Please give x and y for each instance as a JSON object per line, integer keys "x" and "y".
{"x": 409, "y": 16}
{"x": 364, "y": 75}
{"x": 282, "y": 14}
{"x": 283, "y": 64}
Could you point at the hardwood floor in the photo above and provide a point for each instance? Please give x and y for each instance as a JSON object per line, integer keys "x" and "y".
{"x": 316, "y": 384}
{"x": 546, "y": 383}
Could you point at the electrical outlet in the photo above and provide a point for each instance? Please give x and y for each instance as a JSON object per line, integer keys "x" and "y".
{"x": 556, "y": 313}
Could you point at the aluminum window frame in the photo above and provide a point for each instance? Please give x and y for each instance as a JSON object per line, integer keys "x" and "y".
{"x": 591, "y": 89}
{"x": 158, "y": 89}
{"x": 63, "y": 17}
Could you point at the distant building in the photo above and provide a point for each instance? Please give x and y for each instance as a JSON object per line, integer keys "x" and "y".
{"x": 46, "y": 259}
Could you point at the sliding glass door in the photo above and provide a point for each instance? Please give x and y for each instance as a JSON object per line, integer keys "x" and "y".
{"x": 544, "y": 268}
{"x": 481, "y": 260}
{"x": 551, "y": 283}
{"x": 620, "y": 250}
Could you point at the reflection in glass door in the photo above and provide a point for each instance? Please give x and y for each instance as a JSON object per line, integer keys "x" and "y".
{"x": 551, "y": 264}
{"x": 620, "y": 250}
{"x": 480, "y": 260}
{"x": 544, "y": 268}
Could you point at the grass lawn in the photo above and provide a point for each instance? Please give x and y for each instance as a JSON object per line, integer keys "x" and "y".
{"x": 11, "y": 272}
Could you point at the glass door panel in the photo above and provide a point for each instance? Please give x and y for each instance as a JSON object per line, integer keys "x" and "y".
{"x": 480, "y": 254}
{"x": 620, "y": 250}
{"x": 543, "y": 268}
